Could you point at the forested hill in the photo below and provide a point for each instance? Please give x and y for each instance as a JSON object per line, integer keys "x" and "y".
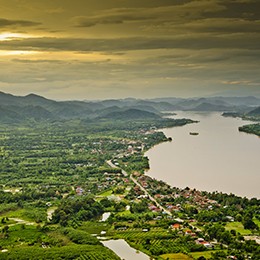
{"x": 255, "y": 112}
{"x": 19, "y": 109}
{"x": 130, "y": 114}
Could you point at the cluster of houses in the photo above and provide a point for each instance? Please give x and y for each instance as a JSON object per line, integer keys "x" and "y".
{"x": 201, "y": 241}
{"x": 162, "y": 192}
{"x": 154, "y": 208}
{"x": 198, "y": 199}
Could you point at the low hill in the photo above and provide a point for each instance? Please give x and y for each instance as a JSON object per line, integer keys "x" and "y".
{"x": 255, "y": 112}
{"x": 17, "y": 109}
{"x": 8, "y": 116}
{"x": 130, "y": 114}
{"x": 211, "y": 107}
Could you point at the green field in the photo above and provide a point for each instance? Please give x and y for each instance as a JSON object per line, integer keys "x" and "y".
{"x": 206, "y": 254}
{"x": 125, "y": 213}
{"x": 79, "y": 252}
{"x": 178, "y": 256}
{"x": 238, "y": 227}
{"x": 106, "y": 193}
{"x": 21, "y": 234}
{"x": 28, "y": 214}
{"x": 94, "y": 227}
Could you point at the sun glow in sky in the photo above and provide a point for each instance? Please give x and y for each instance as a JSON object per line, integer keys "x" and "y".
{"x": 17, "y": 53}
{"x": 115, "y": 49}
{"x": 9, "y": 36}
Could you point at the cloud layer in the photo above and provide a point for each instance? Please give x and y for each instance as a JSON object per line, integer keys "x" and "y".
{"x": 117, "y": 48}
{"x": 16, "y": 23}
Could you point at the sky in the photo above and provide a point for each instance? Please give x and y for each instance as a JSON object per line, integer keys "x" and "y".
{"x": 102, "y": 49}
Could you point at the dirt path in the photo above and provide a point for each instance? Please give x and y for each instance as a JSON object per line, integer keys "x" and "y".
{"x": 21, "y": 221}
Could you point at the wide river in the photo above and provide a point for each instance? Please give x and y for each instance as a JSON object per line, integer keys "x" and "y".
{"x": 220, "y": 158}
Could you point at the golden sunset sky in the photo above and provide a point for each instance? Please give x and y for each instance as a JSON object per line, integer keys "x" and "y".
{"x": 99, "y": 49}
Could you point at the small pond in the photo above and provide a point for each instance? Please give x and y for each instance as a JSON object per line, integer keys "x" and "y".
{"x": 124, "y": 251}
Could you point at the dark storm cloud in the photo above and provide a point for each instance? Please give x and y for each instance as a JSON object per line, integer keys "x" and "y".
{"x": 17, "y": 23}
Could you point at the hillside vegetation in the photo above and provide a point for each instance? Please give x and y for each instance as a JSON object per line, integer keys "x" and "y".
{"x": 34, "y": 108}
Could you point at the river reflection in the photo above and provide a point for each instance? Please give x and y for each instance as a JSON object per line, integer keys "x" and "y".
{"x": 219, "y": 158}
{"x": 124, "y": 251}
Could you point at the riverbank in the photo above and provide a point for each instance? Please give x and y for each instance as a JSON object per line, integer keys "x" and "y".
{"x": 250, "y": 129}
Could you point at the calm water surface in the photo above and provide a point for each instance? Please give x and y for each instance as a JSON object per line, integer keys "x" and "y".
{"x": 220, "y": 158}
{"x": 124, "y": 251}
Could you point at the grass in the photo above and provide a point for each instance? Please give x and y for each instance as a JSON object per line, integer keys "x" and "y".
{"x": 21, "y": 234}
{"x": 124, "y": 213}
{"x": 257, "y": 221}
{"x": 20, "y": 213}
{"x": 4, "y": 208}
{"x": 94, "y": 227}
{"x": 206, "y": 254}
{"x": 66, "y": 252}
{"x": 106, "y": 193}
{"x": 178, "y": 256}
{"x": 28, "y": 214}
{"x": 238, "y": 227}
{"x": 60, "y": 237}
{"x": 6, "y": 223}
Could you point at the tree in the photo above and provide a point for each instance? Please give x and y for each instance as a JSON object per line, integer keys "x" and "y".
{"x": 249, "y": 223}
{"x": 5, "y": 229}
{"x": 238, "y": 217}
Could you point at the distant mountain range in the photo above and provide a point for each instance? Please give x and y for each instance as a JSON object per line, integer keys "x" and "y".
{"x": 18, "y": 109}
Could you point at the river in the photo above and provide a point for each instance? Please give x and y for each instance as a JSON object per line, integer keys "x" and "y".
{"x": 219, "y": 158}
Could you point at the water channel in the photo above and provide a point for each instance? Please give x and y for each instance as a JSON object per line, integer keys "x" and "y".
{"x": 124, "y": 251}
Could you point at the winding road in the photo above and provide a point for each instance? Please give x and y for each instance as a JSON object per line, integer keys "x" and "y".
{"x": 142, "y": 188}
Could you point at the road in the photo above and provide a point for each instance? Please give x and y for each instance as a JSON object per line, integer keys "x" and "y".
{"x": 142, "y": 188}
{"x": 114, "y": 166}
{"x": 150, "y": 196}
{"x": 147, "y": 193}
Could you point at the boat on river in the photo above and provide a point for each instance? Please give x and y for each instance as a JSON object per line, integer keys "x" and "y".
{"x": 194, "y": 133}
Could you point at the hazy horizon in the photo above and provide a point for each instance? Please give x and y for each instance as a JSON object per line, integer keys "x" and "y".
{"x": 116, "y": 49}
{"x": 129, "y": 97}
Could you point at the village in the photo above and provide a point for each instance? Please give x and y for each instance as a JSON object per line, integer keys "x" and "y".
{"x": 71, "y": 185}
{"x": 167, "y": 210}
